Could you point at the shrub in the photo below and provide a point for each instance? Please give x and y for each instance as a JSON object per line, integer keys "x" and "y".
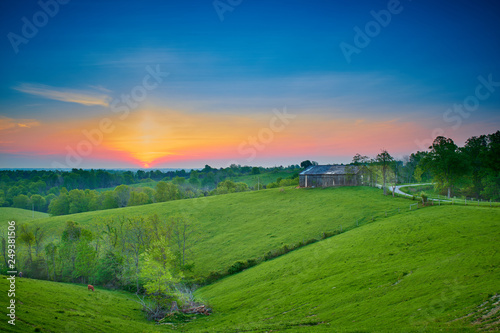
{"x": 236, "y": 267}
{"x": 424, "y": 197}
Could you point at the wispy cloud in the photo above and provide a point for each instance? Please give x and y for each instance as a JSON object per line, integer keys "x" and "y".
{"x": 10, "y": 123}
{"x": 88, "y": 98}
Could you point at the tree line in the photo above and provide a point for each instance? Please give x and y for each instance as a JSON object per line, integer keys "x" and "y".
{"x": 470, "y": 171}
{"x": 60, "y": 193}
{"x": 119, "y": 252}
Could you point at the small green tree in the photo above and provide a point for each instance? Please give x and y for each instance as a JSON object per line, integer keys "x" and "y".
{"x": 166, "y": 192}
{"x": 179, "y": 180}
{"x": 60, "y": 205}
{"x": 417, "y": 174}
{"x": 21, "y": 201}
{"x": 157, "y": 272}
{"x": 39, "y": 202}
{"x": 424, "y": 197}
{"x": 109, "y": 200}
{"x": 123, "y": 195}
{"x": 138, "y": 198}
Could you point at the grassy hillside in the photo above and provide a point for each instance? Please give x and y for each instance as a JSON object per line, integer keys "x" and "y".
{"x": 430, "y": 269}
{"x": 264, "y": 178}
{"x": 44, "y": 306}
{"x": 20, "y": 215}
{"x": 412, "y": 272}
{"x": 247, "y": 225}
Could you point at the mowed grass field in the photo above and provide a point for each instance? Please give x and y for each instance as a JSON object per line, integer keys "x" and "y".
{"x": 19, "y": 215}
{"x": 247, "y": 225}
{"x": 45, "y": 306}
{"x": 421, "y": 272}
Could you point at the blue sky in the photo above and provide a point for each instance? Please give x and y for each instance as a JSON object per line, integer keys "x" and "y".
{"x": 262, "y": 55}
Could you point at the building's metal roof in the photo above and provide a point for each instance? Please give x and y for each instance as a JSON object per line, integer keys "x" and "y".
{"x": 330, "y": 170}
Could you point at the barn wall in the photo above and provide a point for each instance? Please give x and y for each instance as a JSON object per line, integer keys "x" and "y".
{"x": 329, "y": 180}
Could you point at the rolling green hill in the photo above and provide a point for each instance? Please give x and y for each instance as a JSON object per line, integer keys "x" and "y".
{"x": 247, "y": 225}
{"x": 418, "y": 272}
{"x": 20, "y": 215}
{"x": 263, "y": 178}
{"x": 428, "y": 270}
{"x": 44, "y": 306}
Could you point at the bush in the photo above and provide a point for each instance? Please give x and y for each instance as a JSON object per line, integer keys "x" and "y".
{"x": 424, "y": 197}
{"x": 236, "y": 267}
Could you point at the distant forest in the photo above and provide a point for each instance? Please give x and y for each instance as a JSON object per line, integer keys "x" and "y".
{"x": 76, "y": 191}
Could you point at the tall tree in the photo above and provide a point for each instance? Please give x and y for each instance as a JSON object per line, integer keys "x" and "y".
{"x": 385, "y": 161}
{"x": 474, "y": 153}
{"x": 27, "y": 237}
{"x": 183, "y": 236}
{"x": 138, "y": 235}
{"x": 359, "y": 159}
{"x": 445, "y": 162}
{"x": 50, "y": 255}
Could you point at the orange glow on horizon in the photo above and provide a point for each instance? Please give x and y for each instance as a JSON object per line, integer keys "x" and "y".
{"x": 156, "y": 137}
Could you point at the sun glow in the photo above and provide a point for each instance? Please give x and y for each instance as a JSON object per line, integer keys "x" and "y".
{"x": 163, "y": 137}
{"x": 150, "y": 136}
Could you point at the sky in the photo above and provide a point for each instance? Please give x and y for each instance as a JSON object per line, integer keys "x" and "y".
{"x": 181, "y": 84}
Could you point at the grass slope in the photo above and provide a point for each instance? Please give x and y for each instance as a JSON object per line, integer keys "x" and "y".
{"x": 247, "y": 225}
{"x": 44, "y": 306}
{"x": 416, "y": 272}
{"x": 20, "y": 215}
{"x": 263, "y": 178}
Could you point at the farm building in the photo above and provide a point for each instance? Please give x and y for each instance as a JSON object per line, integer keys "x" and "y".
{"x": 332, "y": 175}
